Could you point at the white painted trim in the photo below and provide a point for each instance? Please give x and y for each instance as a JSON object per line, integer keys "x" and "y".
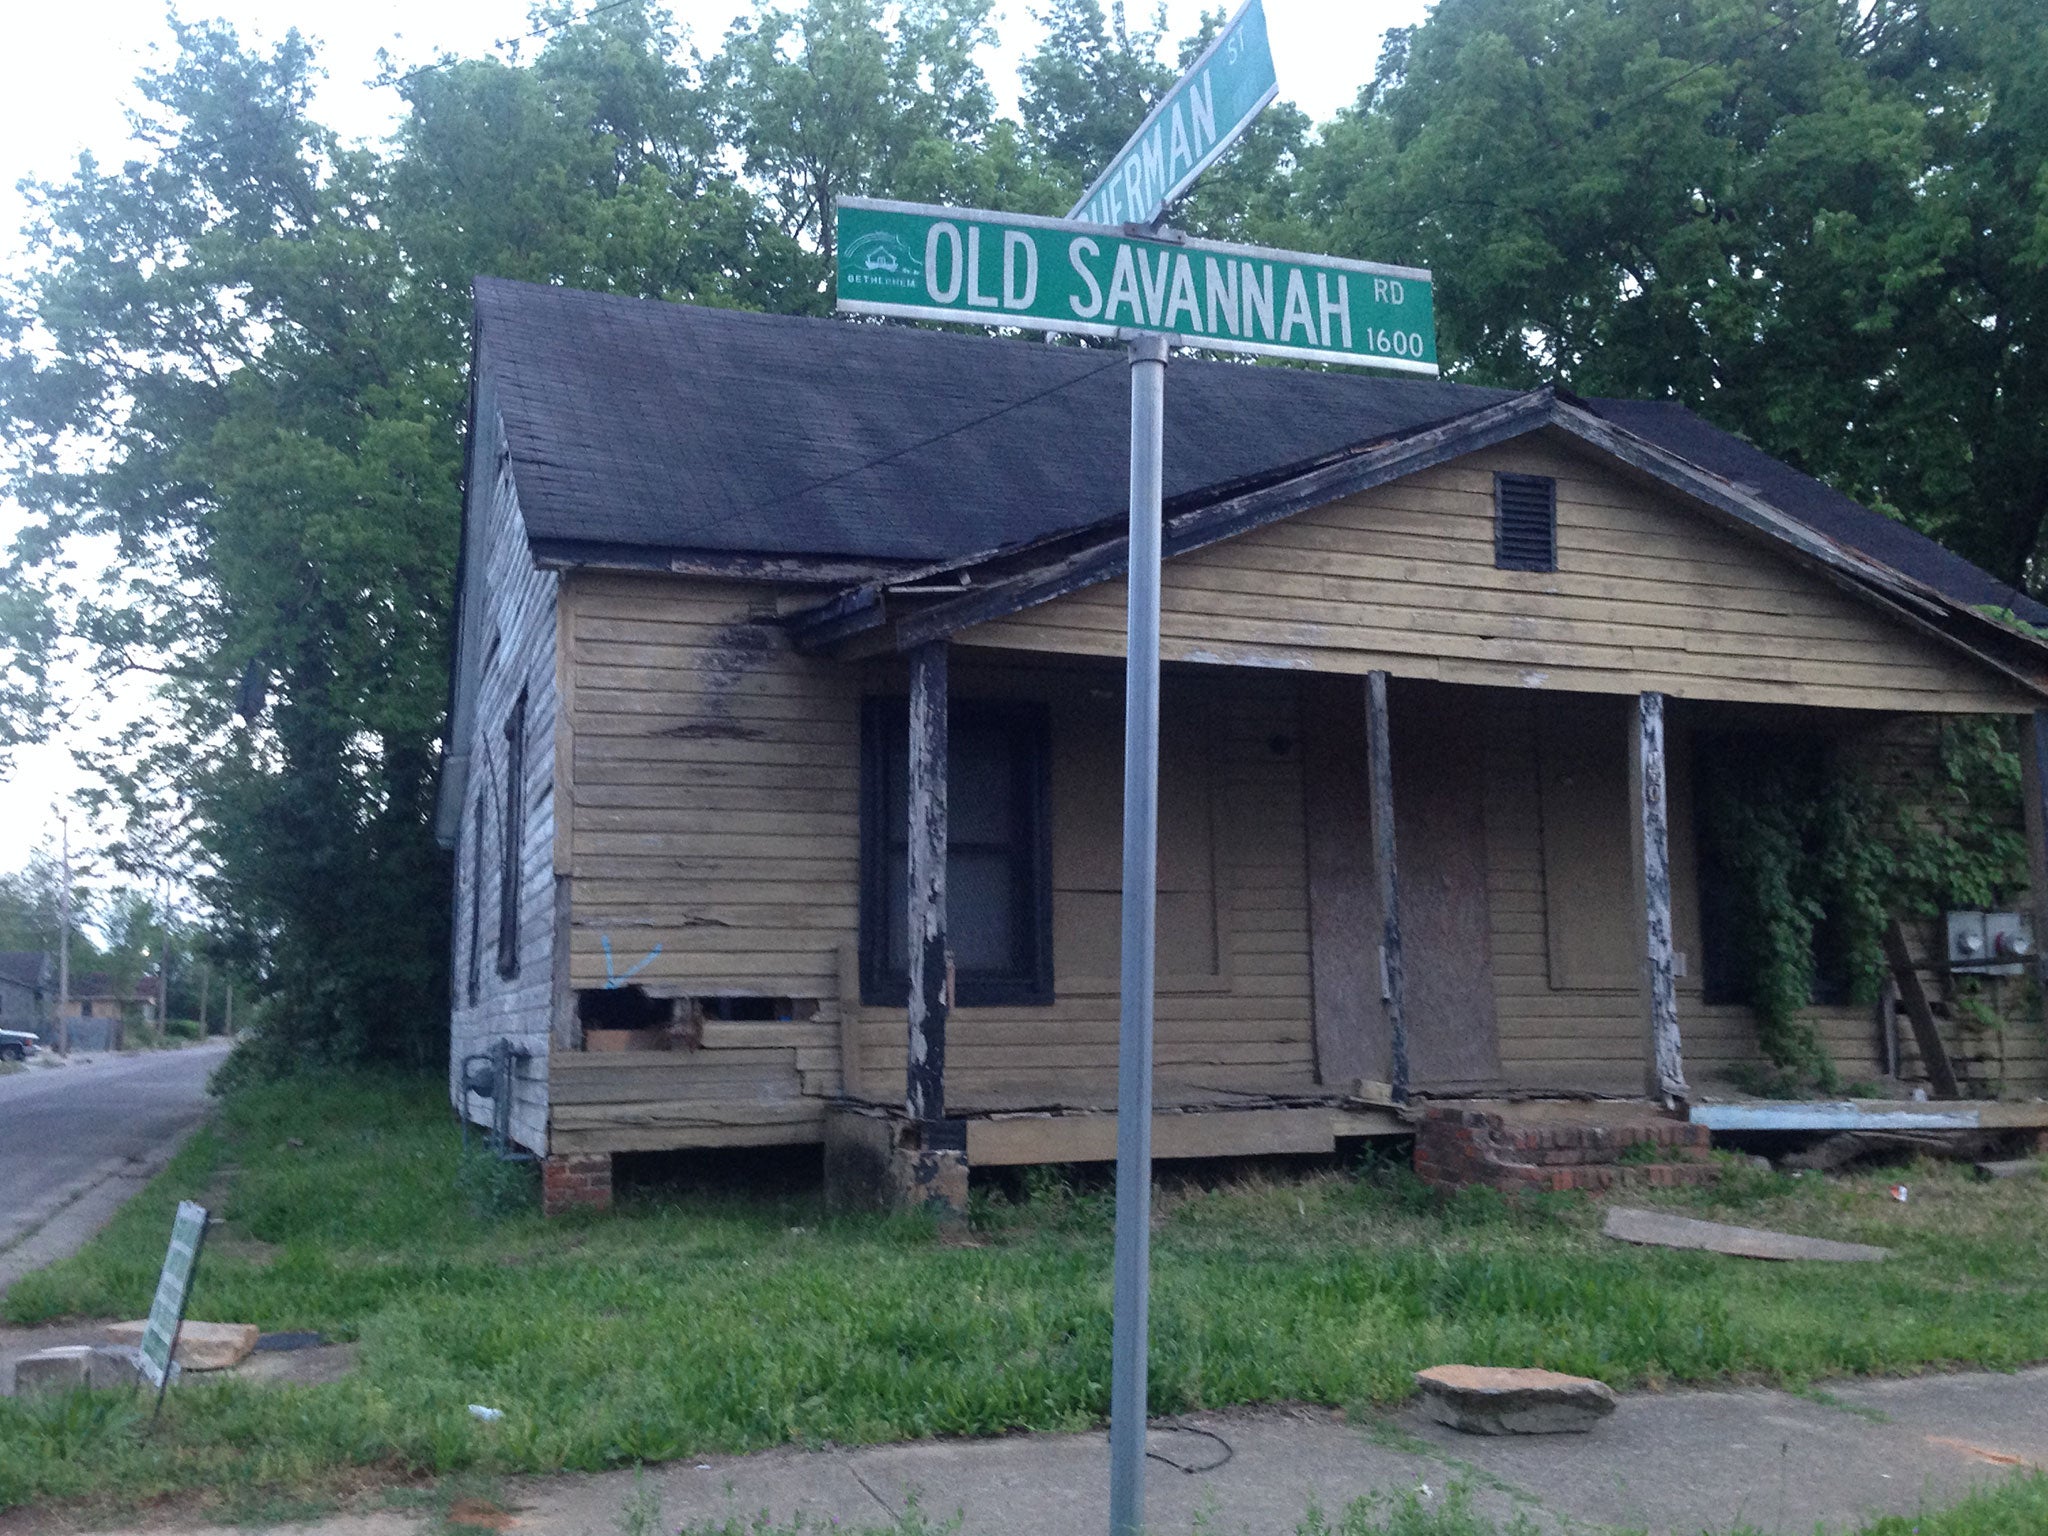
{"x": 1829, "y": 1117}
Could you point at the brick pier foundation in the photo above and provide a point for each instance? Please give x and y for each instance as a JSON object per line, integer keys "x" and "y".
{"x": 1457, "y": 1146}
{"x": 577, "y": 1181}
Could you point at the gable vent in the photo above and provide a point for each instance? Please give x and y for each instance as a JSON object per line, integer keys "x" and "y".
{"x": 1525, "y": 522}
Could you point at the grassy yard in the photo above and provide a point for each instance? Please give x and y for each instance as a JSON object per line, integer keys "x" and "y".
{"x": 694, "y": 1324}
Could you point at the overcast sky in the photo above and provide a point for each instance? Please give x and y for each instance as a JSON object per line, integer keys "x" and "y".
{"x": 66, "y": 69}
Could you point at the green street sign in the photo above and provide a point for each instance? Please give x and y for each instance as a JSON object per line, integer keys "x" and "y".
{"x": 1200, "y": 117}
{"x": 917, "y": 262}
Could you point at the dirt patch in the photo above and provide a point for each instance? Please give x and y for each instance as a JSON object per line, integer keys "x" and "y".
{"x": 479, "y": 1515}
{"x": 314, "y": 1367}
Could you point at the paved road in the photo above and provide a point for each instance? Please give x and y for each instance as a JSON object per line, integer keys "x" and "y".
{"x": 67, "y": 1133}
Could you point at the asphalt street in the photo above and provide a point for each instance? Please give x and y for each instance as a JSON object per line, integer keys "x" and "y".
{"x": 65, "y": 1130}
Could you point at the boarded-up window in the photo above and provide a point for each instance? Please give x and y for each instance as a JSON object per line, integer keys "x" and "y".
{"x": 1588, "y": 883}
{"x": 1088, "y": 841}
{"x": 514, "y": 839}
{"x": 997, "y": 889}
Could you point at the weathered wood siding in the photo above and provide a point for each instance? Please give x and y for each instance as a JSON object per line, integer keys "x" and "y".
{"x": 1233, "y": 1013}
{"x": 1566, "y": 982}
{"x": 712, "y": 843}
{"x": 1648, "y": 596}
{"x": 509, "y": 639}
{"x": 713, "y": 838}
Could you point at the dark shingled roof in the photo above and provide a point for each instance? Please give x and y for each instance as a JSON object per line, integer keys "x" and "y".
{"x": 639, "y": 426}
{"x": 22, "y": 966}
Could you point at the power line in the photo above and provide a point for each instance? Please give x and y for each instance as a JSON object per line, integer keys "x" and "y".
{"x": 908, "y": 448}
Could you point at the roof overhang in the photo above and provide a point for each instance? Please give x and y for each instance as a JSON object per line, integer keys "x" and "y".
{"x": 881, "y": 616}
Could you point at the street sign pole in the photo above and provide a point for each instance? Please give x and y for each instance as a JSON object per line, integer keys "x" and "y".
{"x": 1129, "y": 1349}
{"x": 1149, "y": 288}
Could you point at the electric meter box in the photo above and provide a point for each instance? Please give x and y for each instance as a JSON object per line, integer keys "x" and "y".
{"x": 1990, "y": 943}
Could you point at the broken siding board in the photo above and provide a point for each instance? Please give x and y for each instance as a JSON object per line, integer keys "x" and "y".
{"x": 738, "y": 904}
{"x": 1004, "y": 1142}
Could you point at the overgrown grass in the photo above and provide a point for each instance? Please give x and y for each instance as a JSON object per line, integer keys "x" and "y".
{"x": 699, "y": 1324}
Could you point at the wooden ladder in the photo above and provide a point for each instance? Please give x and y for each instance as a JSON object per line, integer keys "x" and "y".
{"x": 1941, "y": 1071}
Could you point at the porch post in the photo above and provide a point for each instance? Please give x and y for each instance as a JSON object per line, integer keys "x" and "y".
{"x": 925, "y": 1095}
{"x": 2034, "y": 799}
{"x": 1650, "y": 833}
{"x": 1380, "y": 767}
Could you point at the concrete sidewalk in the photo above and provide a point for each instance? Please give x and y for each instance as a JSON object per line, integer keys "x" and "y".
{"x": 1681, "y": 1462}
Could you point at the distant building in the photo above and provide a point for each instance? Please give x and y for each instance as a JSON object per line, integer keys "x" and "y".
{"x": 28, "y": 990}
{"x": 101, "y": 995}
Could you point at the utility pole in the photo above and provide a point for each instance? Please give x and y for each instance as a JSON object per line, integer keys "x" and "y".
{"x": 64, "y": 943}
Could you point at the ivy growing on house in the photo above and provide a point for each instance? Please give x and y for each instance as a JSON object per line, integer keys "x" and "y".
{"x": 1799, "y": 884}
{"x": 1810, "y": 854}
{"x": 1958, "y": 832}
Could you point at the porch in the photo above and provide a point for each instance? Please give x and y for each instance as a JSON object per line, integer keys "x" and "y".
{"x": 1491, "y": 891}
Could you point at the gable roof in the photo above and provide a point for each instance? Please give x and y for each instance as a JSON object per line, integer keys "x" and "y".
{"x": 102, "y": 985}
{"x": 24, "y": 967}
{"x": 649, "y": 433}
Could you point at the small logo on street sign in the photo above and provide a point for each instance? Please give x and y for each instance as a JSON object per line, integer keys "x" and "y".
{"x": 878, "y": 263}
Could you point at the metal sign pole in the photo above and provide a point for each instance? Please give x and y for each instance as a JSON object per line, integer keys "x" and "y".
{"x": 1141, "y": 854}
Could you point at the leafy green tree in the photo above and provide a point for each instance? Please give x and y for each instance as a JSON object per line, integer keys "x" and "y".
{"x": 1819, "y": 225}
{"x": 28, "y": 635}
{"x": 30, "y": 911}
{"x": 831, "y": 100}
{"x": 263, "y": 436}
{"x": 1089, "y": 86}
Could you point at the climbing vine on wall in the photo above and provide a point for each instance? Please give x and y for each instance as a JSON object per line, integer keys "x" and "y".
{"x": 1812, "y": 854}
{"x": 1957, "y": 829}
{"x": 1801, "y": 876}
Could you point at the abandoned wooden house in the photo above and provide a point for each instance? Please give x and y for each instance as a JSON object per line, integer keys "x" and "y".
{"x": 757, "y": 611}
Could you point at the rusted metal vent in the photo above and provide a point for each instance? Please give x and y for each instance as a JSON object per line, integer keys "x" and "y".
{"x": 1525, "y": 522}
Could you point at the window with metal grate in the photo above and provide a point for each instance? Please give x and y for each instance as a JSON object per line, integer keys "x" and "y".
{"x": 1525, "y": 522}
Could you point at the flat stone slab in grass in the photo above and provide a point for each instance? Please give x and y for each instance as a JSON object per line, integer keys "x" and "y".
{"x": 1489, "y": 1400}
{"x": 201, "y": 1346}
{"x": 1660, "y": 1230}
{"x": 2016, "y": 1168}
{"x": 64, "y": 1367}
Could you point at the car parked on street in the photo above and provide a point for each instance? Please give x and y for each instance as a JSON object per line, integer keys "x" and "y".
{"x": 16, "y": 1045}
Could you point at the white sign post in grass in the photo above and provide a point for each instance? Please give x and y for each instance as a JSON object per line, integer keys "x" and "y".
{"x": 173, "y": 1287}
